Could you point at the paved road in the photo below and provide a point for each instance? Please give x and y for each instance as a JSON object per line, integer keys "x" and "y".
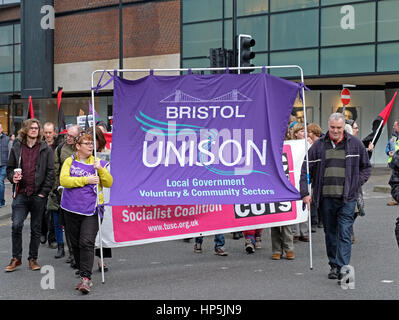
{"x": 171, "y": 270}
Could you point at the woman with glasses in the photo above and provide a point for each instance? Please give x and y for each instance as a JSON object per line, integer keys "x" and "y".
{"x": 79, "y": 201}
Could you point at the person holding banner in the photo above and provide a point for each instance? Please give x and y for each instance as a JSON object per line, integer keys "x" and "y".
{"x": 338, "y": 166}
{"x": 394, "y": 183}
{"x": 79, "y": 201}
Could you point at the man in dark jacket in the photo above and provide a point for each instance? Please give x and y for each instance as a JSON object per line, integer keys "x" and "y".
{"x": 394, "y": 183}
{"x": 4, "y": 140}
{"x": 338, "y": 167}
{"x": 31, "y": 188}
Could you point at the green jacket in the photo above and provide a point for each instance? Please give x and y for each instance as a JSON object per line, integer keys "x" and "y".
{"x": 54, "y": 199}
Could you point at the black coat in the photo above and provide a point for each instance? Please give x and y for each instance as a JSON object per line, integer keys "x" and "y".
{"x": 394, "y": 180}
{"x": 44, "y": 173}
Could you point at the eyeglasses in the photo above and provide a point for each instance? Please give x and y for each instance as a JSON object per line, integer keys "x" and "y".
{"x": 34, "y": 128}
{"x": 70, "y": 136}
{"x": 355, "y": 128}
{"x": 90, "y": 144}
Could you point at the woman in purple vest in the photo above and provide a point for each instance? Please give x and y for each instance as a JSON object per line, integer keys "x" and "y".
{"x": 79, "y": 201}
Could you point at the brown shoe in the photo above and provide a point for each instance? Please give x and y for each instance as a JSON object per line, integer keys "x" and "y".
{"x": 304, "y": 238}
{"x": 33, "y": 265}
{"x": 276, "y": 256}
{"x": 14, "y": 263}
{"x": 392, "y": 203}
{"x": 290, "y": 255}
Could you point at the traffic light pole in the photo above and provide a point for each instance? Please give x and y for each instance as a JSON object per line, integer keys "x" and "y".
{"x": 235, "y": 57}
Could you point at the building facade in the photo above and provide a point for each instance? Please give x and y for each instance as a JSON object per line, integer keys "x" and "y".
{"x": 335, "y": 42}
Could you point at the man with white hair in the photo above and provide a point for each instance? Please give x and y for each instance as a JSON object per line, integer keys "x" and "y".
{"x": 338, "y": 166}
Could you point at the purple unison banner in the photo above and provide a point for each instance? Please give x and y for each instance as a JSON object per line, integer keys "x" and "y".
{"x": 201, "y": 139}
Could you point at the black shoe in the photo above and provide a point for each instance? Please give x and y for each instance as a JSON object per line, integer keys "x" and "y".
{"x": 333, "y": 273}
{"x": 61, "y": 252}
{"x": 43, "y": 239}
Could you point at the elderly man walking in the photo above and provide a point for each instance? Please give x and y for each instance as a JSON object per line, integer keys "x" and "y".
{"x": 338, "y": 167}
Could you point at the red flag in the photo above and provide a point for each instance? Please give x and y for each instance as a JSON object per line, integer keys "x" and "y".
{"x": 61, "y": 118}
{"x": 30, "y": 110}
{"x": 108, "y": 138}
{"x": 387, "y": 110}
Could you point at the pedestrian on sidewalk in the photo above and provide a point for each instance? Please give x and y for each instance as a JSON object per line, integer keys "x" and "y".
{"x": 391, "y": 148}
{"x": 79, "y": 202}
{"x": 63, "y": 151}
{"x": 48, "y": 233}
{"x": 30, "y": 188}
{"x": 4, "y": 152}
{"x": 338, "y": 165}
{"x": 394, "y": 183}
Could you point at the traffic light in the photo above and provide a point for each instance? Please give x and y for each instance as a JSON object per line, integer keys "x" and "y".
{"x": 245, "y": 53}
{"x": 220, "y": 57}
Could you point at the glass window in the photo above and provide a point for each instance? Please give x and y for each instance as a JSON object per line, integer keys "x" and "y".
{"x": 17, "y": 81}
{"x": 194, "y": 10}
{"x": 17, "y": 57}
{"x": 6, "y": 34}
{"x": 329, "y": 2}
{"x": 6, "y": 59}
{"x": 356, "y": 59}
{"x": 294, "y": 30}
{"x": 387, "y": 57}
{"x": 6, "y": 82}
{"x": 255, "y": 27}
{"x": 17, "y": 33}
{"x": 306, "y": 59}
{"x": 336, "y": 27}
{"x": 246, "y": 7}
{"x": 388, "y": 20}
{"x": 199, "y": 38}
{"x": 197, "y": 63}
{"x": 11, "y": 1}
{"x": 279, "y": 5}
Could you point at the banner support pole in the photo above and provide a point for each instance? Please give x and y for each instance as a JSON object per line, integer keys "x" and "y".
{"x": 97, "y": 186}
{"x": 212, "y": 69}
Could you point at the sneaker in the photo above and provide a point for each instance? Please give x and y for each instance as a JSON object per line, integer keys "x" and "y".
{"x": 198, "y": 248}
{"x": 220, "y": 252}
{"x": 33, "y": 265}
{"x": 14, "y": 263}
{"x": 258, "y": 243}
{"x": 333, "y": 274}
{"x": 249, "y": 246}
{"x": 85, "y": 285}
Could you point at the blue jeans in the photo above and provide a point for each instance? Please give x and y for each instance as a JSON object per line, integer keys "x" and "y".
{"x": 219, "y": 240}
{"x": 59, "y": 234}
{"x": 338, "y": 219}
{"x": 3, "y": 174}
{"x": 21, "y": 206}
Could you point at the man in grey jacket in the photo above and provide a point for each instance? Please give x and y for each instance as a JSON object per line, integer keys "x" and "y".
{"x": 338, "y": 167}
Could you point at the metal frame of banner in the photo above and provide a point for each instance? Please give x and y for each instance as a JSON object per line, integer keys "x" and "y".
{"x": 227, "y": 69}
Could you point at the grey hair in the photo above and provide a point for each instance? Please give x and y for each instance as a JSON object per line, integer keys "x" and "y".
{"x": 336, "y": 116}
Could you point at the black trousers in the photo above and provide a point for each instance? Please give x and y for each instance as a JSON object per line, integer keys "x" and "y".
{"x": 82, "y": 231}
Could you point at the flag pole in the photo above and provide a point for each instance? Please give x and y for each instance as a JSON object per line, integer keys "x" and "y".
{"x": 97, "y": 186}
